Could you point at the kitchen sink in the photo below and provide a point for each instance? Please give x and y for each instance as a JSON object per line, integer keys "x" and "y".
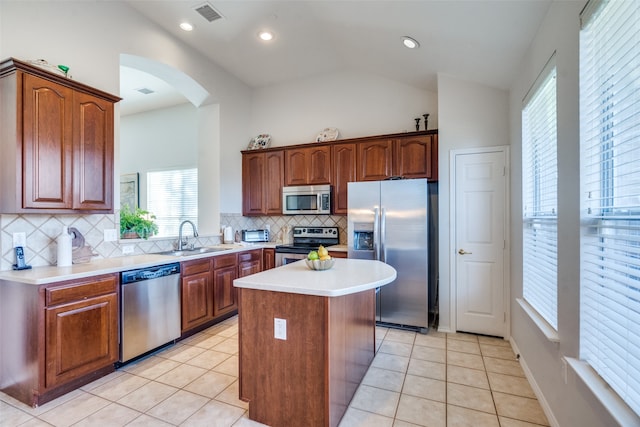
{"x": 194, "y": 251}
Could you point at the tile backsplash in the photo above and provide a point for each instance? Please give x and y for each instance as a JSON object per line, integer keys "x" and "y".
{"x": 277, "y": 224}
{"x": 42, "y": 230}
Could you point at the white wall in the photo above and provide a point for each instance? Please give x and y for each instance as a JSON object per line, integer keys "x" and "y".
{"x": 90, "y": 36}
{"x": 158, "y": 140}
{"x": 471, "y": 116}
{"x": 572, "y": 404}
{"x": 358, "y": 104}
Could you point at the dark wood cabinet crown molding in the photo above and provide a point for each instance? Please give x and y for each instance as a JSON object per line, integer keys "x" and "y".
{"x": 344, "y": 141}
{"x": 10, "y": 65}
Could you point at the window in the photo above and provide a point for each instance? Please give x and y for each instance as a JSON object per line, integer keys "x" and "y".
{"x": 610, "y": 187}
{"x": 172, "y": 196}
{"x": 540, "y": 196}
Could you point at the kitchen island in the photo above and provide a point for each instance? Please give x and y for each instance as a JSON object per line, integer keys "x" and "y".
{"x": 307, "y": 339}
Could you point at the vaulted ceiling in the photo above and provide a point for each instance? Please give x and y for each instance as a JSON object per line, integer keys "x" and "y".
{"x": 477, "y": 40}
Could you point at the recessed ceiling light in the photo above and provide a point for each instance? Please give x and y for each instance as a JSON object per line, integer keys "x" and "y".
{"x": 265, "y": 35}
{"x": 409, "y": 42}
{"x": 186, "y": 26}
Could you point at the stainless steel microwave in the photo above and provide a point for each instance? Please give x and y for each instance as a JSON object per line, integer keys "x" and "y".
{"x": 306, "y": 200}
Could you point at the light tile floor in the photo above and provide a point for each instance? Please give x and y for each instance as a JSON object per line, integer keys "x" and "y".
{"x": 415, "y": 380}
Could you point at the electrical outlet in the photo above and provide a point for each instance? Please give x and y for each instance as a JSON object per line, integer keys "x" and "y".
{"x": 110, "y": 235}
{"x": 127, "y": 249}
{"x": 280, "y": 328}
{"x": 20, "y": 239}
{"x": 564, "y": 370}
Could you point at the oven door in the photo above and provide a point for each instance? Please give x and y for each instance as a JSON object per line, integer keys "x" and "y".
{"x": 286, "y": 258}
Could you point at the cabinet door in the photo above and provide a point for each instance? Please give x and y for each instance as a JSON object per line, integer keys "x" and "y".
{"x": 47, "y": 144}
{"x": 92, "y": 153}
{"x": 413, "y": 156}
{"x": 268, "y": 258}
{"x": 273, "y": 181}
{"x": 252, "y": 184}
{"x": 296, "y": 166}
{"x": 224, "y": 299}
{"x": 197, "y": 300}
{"x": 319, "y": 166}
{"x": 344, "y": 171}
{"x": 307, "y": 166}
{"x": 80, "y": 337}
{"x": 375, "y": 160}
{"x": 249, "y": 267}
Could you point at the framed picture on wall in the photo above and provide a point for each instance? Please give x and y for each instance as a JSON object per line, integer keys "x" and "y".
{"x": 129, "y": 191}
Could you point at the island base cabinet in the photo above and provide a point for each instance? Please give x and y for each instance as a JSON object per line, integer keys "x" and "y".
{"x": 309, "y": 378}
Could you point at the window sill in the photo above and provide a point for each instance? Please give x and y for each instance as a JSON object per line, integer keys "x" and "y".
{"x": 618, "y": 409}
{"x": 543, "y": 325}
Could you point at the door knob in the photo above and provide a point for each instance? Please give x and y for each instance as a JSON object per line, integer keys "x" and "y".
{"x": 463, "y": 252}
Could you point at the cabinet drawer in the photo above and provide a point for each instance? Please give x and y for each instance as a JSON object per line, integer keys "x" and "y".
{"x": 253, "y": 255}
{"x": 81, "y": 291}
{"x": 224, "y": 261}
{"x": 196, "y": 266}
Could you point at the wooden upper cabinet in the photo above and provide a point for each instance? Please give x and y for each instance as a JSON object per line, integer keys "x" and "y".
{"x": 93, "y": 153}
{"x": 262, "y": 181}
{"x": 47, "y": 144}
{"x": 252, "y": 184}
{"x": 414, "y": 156}
{"x": 375, "y": 160}
{"x": 410, "y": 155}
{"x": 308, "y": 165}
{"x": 274, "y": 180}
{"x": 57, "y": 143}
{"x": 344, "y": 171}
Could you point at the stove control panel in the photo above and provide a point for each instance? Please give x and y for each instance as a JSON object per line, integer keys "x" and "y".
{"x": 316, "y": 232}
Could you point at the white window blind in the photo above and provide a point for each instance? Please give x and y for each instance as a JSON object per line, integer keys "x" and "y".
{"x": 610, "y": 186}
{"x": 172, "y": 196}
{"x": 540, "y": 197}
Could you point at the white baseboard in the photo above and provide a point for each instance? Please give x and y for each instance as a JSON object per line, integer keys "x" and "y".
{"x": 536, "y": 390}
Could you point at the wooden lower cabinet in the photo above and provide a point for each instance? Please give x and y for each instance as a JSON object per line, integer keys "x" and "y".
{"x": 197, "y": 293}
{"x": 208, "y": 294}
{"x": 268, "y": 258}
{"x": 62, "y": 336}
{"x": 81, "y": 329}
{"x": 338, "y": 254}
{"x": 225, "y": 299}
{"x": 249, "y": 262}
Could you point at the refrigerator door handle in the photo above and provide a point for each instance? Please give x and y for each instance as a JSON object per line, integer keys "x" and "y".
{"x": 383, "y": 234}
{"x": 376, "y": 233}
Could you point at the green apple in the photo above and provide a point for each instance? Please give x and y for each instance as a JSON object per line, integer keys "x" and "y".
{"x": 313, "y": 255}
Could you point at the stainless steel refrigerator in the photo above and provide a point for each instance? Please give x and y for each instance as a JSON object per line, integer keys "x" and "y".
{"x": 389, "y": 221}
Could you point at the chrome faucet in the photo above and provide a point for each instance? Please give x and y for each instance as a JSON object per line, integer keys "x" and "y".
{"x": 195, "y": 232}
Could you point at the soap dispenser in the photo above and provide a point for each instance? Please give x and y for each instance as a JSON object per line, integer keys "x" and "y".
{"x": 64, "y": 247}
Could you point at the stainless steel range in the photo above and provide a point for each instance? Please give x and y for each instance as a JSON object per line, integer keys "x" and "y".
{"x": 306, "y": 239}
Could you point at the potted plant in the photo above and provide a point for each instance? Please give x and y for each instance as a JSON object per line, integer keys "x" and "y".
{"x": 136, "y": 224}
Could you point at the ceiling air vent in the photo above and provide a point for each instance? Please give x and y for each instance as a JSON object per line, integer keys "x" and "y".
{"x": 208, "y": 12}
{"x": 145, "y": 91}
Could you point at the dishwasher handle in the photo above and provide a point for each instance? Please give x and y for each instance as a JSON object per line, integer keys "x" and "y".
{"x": 149, "y": 273}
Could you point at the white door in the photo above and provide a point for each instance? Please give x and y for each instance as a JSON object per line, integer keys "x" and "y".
{"x": 480, "y": 245}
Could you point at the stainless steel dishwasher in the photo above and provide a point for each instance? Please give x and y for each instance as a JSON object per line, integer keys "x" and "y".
{"x": 150, "y": 309}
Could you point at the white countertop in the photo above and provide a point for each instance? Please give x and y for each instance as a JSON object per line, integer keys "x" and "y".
{"x": 51, "y": 274}
{"x": 347, "y": 276}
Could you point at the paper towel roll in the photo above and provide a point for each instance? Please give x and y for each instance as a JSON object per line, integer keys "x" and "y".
{"x": 64, "y": 248}
{"x": 228, "y": 235}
